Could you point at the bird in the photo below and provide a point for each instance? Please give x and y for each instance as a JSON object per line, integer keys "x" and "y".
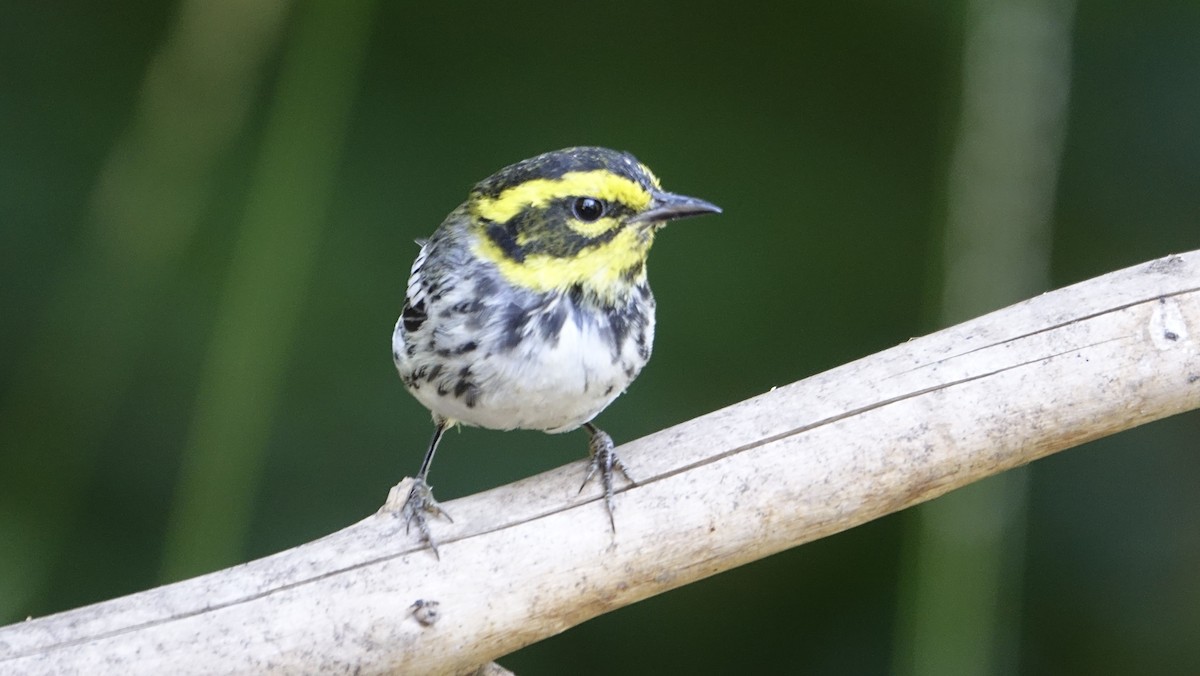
{"x": 529, "y": 306}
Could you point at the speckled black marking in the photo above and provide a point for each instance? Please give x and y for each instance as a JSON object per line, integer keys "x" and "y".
{"x": 467, "y": 307}
{"x": 465, "y": 389}
{"x": 433, "y": 372}
{"x": 413, "y": 316}
{"x": 480, "y": 314}
{"x": 608, "y": 390}
{"x": 469, "y": 346}
{"x": 618, "y": 329}
{"x": 515, "y": 318}
{"x": 643, "y": 347}
{"x": 550, "y": 323}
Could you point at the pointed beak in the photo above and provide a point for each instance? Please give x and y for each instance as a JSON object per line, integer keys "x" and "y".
{"x": 666, "y": 206}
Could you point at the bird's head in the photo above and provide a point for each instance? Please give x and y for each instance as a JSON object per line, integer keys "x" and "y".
{"x": 575, "y": 218}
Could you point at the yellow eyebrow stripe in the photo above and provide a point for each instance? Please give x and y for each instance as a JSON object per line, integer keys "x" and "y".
{"x": 538, "y": 192}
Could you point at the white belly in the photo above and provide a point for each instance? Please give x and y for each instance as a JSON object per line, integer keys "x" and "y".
{"x": 551, "y": 385}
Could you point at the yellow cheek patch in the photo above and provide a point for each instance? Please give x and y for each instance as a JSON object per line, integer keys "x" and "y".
{"x": 539, "y": 192}
{"x": 597, "y": 269}
{"x": 594, "y": 229}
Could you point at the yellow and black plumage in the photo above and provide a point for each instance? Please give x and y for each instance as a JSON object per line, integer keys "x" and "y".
{"x": 529, "y": 307}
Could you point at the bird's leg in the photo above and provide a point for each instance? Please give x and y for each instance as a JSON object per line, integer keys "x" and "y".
{"x": 420, "y": 500}
{"x": 604, "y": 459}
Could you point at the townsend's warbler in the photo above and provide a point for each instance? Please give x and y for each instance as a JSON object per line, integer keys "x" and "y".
{"x": 529, "y": 308}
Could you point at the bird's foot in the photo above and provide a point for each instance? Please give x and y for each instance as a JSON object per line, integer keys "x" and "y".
{"x": 419, "y": 506}
{"x": 604, "y": 460}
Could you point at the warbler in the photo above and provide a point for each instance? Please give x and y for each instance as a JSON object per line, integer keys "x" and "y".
{"x": 529, "y": 308}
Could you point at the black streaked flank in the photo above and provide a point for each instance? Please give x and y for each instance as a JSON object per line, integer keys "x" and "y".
{"x": 550, "y": 323}
{"x": 471, "y": 396}
{"x": 485, "y": 288}
{"x": 413, "y": 316}
{"x": 643, "y": 347}
{"x": 617, "y": 330}
{"x": 413, "y": 379}
{"x": 468, "y": 306}
{"x": 465, "y": 389}
{"x": 514, "y": 318}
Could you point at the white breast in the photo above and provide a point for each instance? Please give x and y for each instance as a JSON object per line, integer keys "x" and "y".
{"x": 554, "y": 384}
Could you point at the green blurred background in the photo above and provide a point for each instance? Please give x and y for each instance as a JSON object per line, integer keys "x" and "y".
{"x": 207, "y": 215}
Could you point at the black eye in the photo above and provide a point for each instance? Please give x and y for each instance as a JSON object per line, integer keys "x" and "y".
{"x": 588, "y": 209}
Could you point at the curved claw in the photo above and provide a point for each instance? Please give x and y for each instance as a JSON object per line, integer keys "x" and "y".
{"x": 420, "y": 502}
{"x": 604, "y": 459}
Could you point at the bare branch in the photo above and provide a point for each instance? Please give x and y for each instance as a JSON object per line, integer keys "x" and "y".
{"x": 531, "y": 559}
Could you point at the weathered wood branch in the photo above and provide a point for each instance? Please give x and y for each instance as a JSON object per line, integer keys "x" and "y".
{"x": 530, "y": 559}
